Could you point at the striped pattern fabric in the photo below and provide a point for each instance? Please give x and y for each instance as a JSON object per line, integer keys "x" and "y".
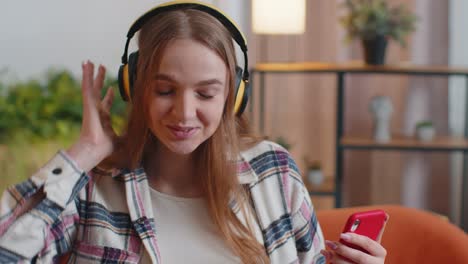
{"x": 107, "y": 216}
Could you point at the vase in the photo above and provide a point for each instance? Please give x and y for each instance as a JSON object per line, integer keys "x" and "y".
{"x": 381, "y": 108}
{"x": 382, "y": 131}
{"x": 374, "y": 50}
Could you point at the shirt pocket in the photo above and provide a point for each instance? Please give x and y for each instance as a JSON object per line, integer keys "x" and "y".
{"x": 87, "y": 253}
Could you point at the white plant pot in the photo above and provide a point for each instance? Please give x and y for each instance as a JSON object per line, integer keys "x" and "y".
{"x": 425, "y": 133}
{"x": 315, "y": 177}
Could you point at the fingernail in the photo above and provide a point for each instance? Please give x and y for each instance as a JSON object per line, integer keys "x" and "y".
{"x": 345, "y": 237}
{"x": 331, "y": 245}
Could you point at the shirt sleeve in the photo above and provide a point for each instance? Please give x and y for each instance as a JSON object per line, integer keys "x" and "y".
{"x": 307, "y": 232}
{"x": 49, "y": 229}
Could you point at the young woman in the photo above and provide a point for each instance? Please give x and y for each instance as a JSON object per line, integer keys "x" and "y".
{"x": 184, "y": 183}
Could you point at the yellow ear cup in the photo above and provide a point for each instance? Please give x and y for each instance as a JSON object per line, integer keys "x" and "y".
{"x": 126, "y": 82}
{"x": 239, "y": 97}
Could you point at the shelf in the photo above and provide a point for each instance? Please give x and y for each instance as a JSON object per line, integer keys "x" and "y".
{"x": 327, "y": 188}
{"x": 406, "y": 143}
{"x": 358, "y": 67}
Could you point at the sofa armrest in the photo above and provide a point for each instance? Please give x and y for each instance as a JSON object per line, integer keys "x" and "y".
{"x": 411, "y": 235}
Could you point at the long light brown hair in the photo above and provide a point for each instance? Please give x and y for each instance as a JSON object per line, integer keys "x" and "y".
{"x": 220, "y": 183}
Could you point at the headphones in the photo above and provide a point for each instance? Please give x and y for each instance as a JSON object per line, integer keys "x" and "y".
{"x": 127, "y": 71}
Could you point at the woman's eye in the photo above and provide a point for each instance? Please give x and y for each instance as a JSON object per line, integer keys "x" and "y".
{"x": 163, "y": 88}
{"x": 164, "y": 92}
{"x": 205, "y": 96}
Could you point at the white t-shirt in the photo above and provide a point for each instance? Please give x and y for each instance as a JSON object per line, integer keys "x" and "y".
{"x": 186, "y": 233}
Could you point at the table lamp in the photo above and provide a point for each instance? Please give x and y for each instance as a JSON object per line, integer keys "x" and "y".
{"x": 278, "y": 16}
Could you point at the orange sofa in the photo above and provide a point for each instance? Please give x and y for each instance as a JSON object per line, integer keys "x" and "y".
{"x": 411, "y": 235}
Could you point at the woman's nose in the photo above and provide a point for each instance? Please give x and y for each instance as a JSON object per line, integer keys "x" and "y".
{"x": 185, "y": 106}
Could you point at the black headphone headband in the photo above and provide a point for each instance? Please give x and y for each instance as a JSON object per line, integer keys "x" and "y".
{"x": 232, "y": 28}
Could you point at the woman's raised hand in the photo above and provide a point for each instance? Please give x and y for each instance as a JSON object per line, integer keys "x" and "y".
{"x": 97, "y": 137}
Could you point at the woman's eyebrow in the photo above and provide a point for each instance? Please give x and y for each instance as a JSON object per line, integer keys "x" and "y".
{"x": 209, "y": 82}
{"x": 165, "y": 77}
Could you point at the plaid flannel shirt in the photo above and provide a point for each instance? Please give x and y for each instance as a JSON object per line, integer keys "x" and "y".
{"x": 96, "y": 217}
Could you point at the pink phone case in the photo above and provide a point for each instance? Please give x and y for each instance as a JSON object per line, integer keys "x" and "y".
{"x": 368, "y": 223}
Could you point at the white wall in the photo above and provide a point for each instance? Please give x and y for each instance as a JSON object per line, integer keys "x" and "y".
{"x": 458, "y": 56}
{"x": 37, "y": 35}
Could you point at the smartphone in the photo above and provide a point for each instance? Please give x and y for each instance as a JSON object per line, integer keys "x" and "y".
{"x": 368, "y": 223}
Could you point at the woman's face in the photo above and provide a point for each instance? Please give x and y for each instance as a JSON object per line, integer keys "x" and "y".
{"x": 188, "y": 94}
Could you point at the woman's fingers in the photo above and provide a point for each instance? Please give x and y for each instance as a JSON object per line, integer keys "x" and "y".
{"x": 92, "y": 86}
{"x": 96, "y": 112}
{"x": 89, "y": 104}
{"x": 334, "y": 258}
{"x": 92, "y": 89}
{"x": 108, "y": 99}
{"x": 327, "y": 254}
{"x": 376, "y": 251}
{"x": 87, "y": 81}
{"x": 88, "y": 69}
{"x": 351, "y": 254}
{"x": 99, "y": 81}
{"x": 373, "y": 247}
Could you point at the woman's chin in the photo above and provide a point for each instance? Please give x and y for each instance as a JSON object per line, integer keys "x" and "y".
{"x": 183, "y": 148}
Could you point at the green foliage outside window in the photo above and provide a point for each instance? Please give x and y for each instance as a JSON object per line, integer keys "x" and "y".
{"x": 34, "y": 111}
{"x": 37, "y": 118}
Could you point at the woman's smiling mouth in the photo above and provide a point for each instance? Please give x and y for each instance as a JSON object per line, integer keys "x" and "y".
{"x": 181, "y": 133}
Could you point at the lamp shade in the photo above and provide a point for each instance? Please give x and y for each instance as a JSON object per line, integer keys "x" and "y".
{"x": 278, "y": 16}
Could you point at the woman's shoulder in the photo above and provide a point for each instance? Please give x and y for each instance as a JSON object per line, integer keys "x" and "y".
{"x": 263, "y": 148}
{"x": 266, "y": 158}
{"x": 274, "y": 177}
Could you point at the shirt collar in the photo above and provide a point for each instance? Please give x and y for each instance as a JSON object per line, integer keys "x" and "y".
{"x": 245, "y": 173}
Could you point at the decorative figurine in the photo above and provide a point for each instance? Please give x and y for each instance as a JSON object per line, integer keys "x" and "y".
{"x": 381, "y": 108}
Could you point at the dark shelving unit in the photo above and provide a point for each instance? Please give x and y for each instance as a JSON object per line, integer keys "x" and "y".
{"x": 343, "y": 143}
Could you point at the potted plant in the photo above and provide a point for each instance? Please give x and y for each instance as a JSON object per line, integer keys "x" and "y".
{"x": 425, "y": 130}
{"x": 314, "y": 172}
{"x": 374, "y": 22}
